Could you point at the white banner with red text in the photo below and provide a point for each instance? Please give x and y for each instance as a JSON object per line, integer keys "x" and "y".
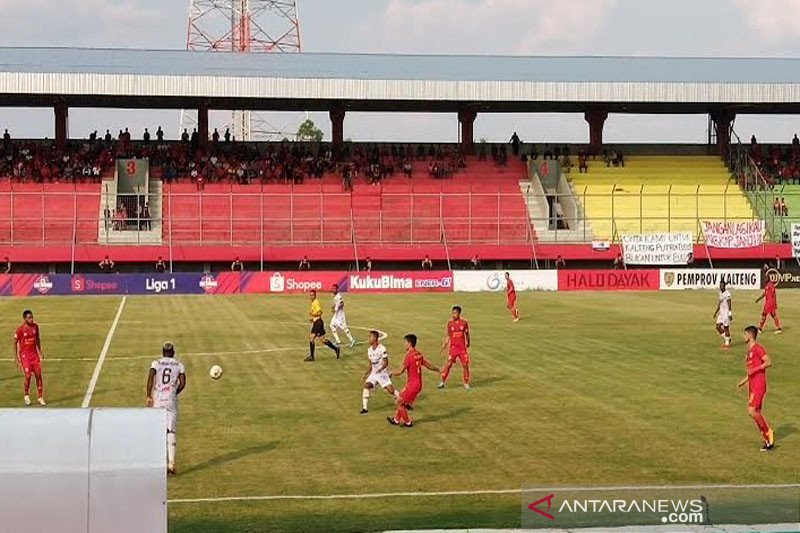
{"x": 795, "y": 240}
{"x": 495, "y": 280}
{"x": 734, "y": 234}
{"x": 657, "y": 248}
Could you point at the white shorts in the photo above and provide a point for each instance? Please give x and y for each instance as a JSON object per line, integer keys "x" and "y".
{"x": 339, "y": 321}
{"x": 172, "y": 417}
{"x": 724, "y": 319}
{"x": 381, "y": 379}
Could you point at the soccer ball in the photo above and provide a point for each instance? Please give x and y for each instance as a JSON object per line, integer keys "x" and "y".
{"x": 215, "y": 372}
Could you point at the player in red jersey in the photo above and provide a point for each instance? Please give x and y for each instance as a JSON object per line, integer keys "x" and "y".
{"x": 757, "y": 363}
{"x": 511, "y": 298}
{"x": 412, "y": 364}
{"x": 457, "y": 338}
{"x": 770, "y": 297}
{"x": 28, "y": 355}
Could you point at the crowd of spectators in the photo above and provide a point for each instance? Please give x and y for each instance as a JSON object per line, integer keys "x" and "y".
{"x": 43, "y": 162}
{"x": 224, "y": 160}
{"x": 778, "y": 165}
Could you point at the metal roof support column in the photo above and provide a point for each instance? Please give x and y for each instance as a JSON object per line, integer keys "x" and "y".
{"x": 337, "y": 114}
{"x": 202, "y": 124}
{"x": 596, "y": 117}
{"x": 62, "y": 123}
{"x": 723, "y": 122}
{"x": 466, "y": 119}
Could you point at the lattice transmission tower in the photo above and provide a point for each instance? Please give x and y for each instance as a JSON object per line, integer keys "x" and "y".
{"x": 246, "y": 27}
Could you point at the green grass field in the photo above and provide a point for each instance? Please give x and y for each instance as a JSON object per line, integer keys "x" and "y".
{"x": 588, "y": 389}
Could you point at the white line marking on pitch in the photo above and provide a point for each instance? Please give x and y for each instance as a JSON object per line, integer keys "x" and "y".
{"x": 378, "y": 495}
{"x": 383, "y": 335}
{"x": 106, "y": 345}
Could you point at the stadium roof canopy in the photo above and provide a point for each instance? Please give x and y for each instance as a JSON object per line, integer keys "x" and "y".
{"x": 311, "y": 81}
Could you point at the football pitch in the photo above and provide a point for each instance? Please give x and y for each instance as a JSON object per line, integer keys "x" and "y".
{"x": 587, "y": 390}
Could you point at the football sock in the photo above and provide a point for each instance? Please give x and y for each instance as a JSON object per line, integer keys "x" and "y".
{"x": 330, "y": 345}
{"x": 364, "y": 398}
{"x": 777, "y": 321}
{"x": 446, "y": 371}
{"x": 311, "y": 347}
{"x": 762, "y": 424}
{"x": 349, "y": 337}
{"x": 172, "y": 445}
{"x": 336, "y": 337}
{"x": 396, "y": 393}
{"x": 402, "y": 414}
{"x": 27, "y": 385}
{"x": 465, "y": 372}
{"x": 39, "y": 385}
{"x": 727, "y": 340}
{"x": 763, "y": 321}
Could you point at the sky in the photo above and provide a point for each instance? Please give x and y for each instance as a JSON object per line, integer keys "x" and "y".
{"x": 752, "y": 28}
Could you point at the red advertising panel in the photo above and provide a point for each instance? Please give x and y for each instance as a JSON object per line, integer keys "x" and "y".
{"x": 292, "y": 282}
{"x": 608, "y": 280}
{"x": 402, "y": 281}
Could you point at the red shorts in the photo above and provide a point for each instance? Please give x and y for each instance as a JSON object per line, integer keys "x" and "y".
{"x": 757, "y": 398}
{"x": 771, "y": 310}
{"x": 463, "y": 357}
{"x": 511, "y": 301}
{"x": 31, "y": 366}
{"x": 408, "y": 395}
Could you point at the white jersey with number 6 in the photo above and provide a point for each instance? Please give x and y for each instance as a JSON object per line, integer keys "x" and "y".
{"x": 165, "y": 384}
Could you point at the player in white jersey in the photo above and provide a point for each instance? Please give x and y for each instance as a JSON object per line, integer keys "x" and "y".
{"x": 338, "y": 319}
{"x": 377, "y": 372}
{"x": 165, "y": 381}
{"x": 724, "y": 314}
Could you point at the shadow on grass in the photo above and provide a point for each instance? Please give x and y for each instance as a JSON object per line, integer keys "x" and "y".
{"x": 786, "y": 430}
{"x": 229, "y": 457}
{"x": 482, "y": 382}
{"x": 455, "y": 413}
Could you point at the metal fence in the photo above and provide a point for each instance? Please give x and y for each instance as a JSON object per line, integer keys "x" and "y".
{"x": 388, "y": 218}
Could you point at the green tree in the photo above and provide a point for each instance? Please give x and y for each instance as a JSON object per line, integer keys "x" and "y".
{"x": 309, "y": 132}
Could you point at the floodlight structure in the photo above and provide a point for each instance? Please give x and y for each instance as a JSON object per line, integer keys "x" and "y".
{"x": 245, "y": 27}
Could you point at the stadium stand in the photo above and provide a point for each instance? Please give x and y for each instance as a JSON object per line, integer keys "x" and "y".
{"x": 658, "y": 193}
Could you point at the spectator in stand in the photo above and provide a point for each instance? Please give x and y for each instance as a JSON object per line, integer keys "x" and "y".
{"x": 237, "y": 266}
{"x": 776, "y": 207}
{"x": 185, "y": 136}
{"x": 619, "y": 262}
{"x": 304, "y": 264}
{"x": 795, "y": 142}
{"x": 7, "y": 269}
{"x": 368, "y": 265}
{"x": 753, "y": 141}
{"x": 427, "y": 264}
{"x": 778, "y": 262}
{"x": 690, "y": 259}
{"x": 784, "y": 208}
{"x": 106, "y": 265}
{"x": 515, "y": 142}
{"x": 160, "y": 135}
{"x": 476, "y": 262}
{"x": 107, "y": 217}
{"x": 146, "y": 136}
{"x": 147, "y": 223}
{"x": 227, "y": 135}
{"x": 6, "y": 140}
{"x": 583, "y": 165}
{"x": 215, "y": 136}
{"x": 199, "y": 180}
{"x": 161, "y": 266}
{"x": 560, "y": 263}
{"x": 408, "y": 168}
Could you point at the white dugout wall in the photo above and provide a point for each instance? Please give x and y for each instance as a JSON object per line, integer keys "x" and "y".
{"x": 83, "y": 470}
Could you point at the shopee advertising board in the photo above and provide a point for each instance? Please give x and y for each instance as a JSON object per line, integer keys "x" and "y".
{"x": 706, "y": 278}
{"x": 495, "y": 281}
